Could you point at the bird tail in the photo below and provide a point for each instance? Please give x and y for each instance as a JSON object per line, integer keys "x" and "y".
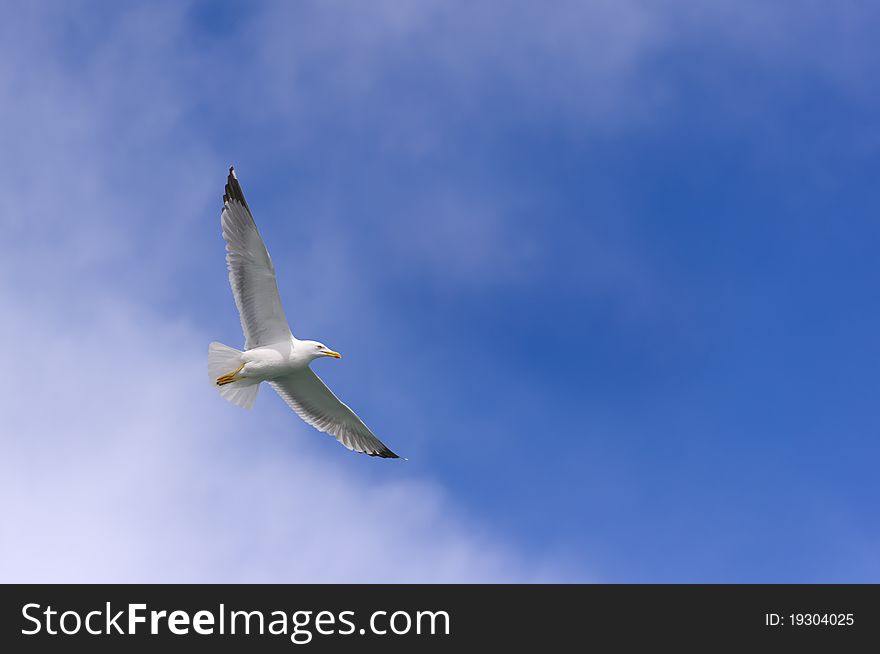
{"x": 223, "y": 360}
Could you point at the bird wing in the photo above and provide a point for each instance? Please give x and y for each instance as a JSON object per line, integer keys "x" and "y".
{"x": 317, "y": 405}
{"x": 251, "y": 273}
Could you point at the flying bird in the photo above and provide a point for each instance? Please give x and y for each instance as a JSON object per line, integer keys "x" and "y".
{"x": 271, "y": 352}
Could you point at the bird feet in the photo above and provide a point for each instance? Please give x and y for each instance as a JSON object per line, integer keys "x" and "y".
{"x": 229, "y": 378}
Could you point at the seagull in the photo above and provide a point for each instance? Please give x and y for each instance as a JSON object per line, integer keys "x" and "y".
{"x": 271, "y": 352}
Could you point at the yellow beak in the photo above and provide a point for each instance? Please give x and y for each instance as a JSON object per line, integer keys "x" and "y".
{"x": 331, "y": 353}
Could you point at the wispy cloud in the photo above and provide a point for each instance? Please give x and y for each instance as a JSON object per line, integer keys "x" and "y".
{"x": 120, "y": 464}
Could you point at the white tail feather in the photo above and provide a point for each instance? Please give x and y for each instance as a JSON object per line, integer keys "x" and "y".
{"x": 222, "y": 360}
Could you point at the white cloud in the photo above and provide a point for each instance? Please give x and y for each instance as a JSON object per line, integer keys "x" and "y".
{"x": 120, "y": 463}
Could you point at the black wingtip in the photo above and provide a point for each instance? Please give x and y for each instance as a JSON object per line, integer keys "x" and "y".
{"x": 232, "y": 190}
{"x": 385, "y": 454}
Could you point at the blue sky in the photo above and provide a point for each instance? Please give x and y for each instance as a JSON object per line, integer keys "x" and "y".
{"x": 604, "y": 272}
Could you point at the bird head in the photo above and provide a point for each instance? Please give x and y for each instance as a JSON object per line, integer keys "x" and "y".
{"x": 316, "y": 349}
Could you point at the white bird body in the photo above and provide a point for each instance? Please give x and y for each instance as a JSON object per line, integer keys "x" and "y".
{"x": 269, "y": 362}
{"x": 272, "y": 353}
